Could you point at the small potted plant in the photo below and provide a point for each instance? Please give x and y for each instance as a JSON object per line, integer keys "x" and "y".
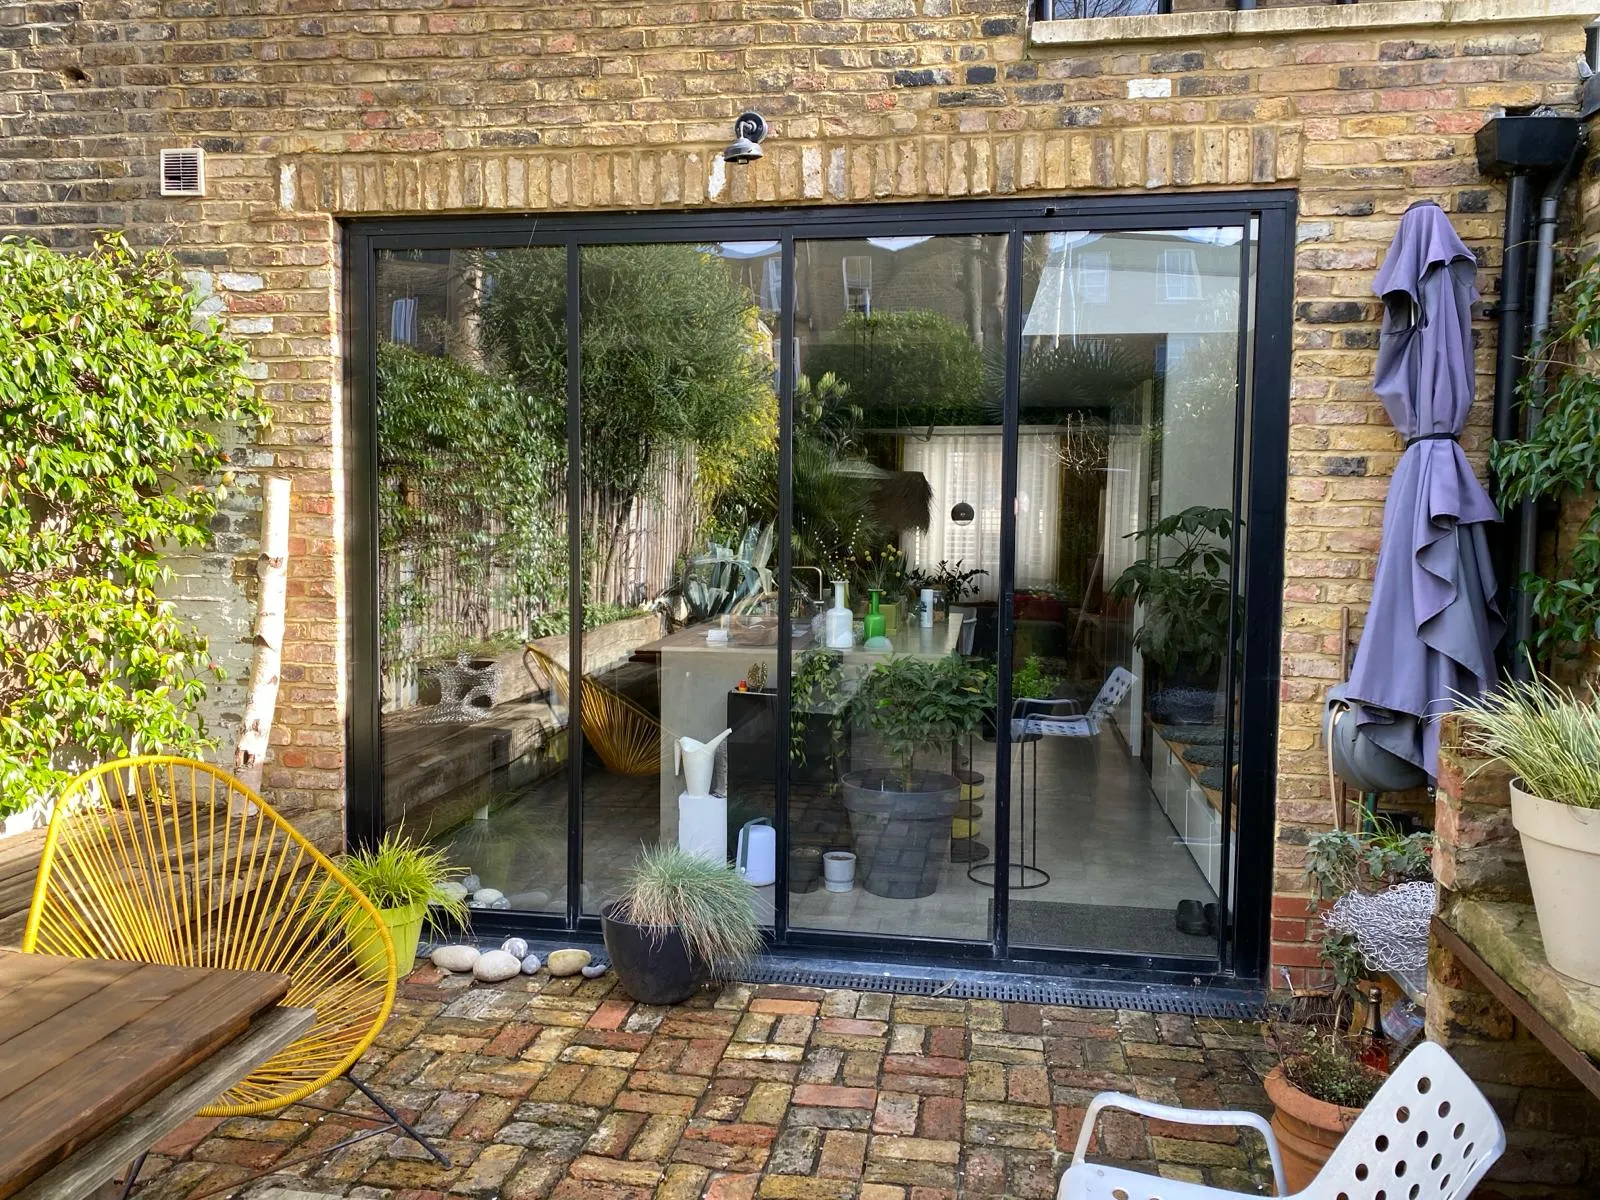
{"x": 408, "y": 884}
{"x": 681, "y": 919}
{"x": 1318, "y": 1089}
{"x": 884, "y": 572}
{"x": 1029, "y": 682}
{"x": 1184, "y": 584}
{"x": 900, "y": 817}
{"x": 1551, "y": 741}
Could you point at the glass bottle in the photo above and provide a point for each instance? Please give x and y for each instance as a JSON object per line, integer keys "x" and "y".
{"x": 874, "y": 626}
{"x": 1373, "y": 1050}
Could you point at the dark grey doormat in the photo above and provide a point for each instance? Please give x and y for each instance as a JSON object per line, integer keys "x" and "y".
{"x": 1054, "y": 924}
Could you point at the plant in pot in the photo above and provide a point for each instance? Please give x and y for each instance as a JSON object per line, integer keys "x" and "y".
{"x": 1028, "y": 682}
{"x": 1551, "y": 742}
{"x": 899, "y": 816}
{"x": 681, "y": 919}
{"x": 1318, "y": 1089}
{"x": 1183, "y": 583}
{"x": 408, "y": 884}
{"x": 882, "y": 573}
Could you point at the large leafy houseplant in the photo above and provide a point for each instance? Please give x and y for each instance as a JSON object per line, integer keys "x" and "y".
{"x": 1184, "y": 585}
{"x": 913, "y": 704}
{"x": 118, "y": 402}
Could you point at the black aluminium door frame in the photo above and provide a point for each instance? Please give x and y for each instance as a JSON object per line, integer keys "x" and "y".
{"x": 1261, "y": 506}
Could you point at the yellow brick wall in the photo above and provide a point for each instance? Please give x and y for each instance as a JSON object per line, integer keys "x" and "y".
{"x": 313, "y": 111}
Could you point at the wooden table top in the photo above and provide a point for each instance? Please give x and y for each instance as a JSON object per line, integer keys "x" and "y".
{"x": 85, "y": 1041}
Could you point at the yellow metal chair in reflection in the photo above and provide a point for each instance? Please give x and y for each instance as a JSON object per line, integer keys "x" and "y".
{"x": 625, "y": 736}
{"x": 173, "y": 861}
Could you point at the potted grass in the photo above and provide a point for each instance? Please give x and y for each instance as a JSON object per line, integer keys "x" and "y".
{"x": 1551, "y": 742}
{"x": 899, "y": 816}
{"x": 681, "y": 919}
{"x": 1317, "y": 1090}
{"x": 408, "y": 884}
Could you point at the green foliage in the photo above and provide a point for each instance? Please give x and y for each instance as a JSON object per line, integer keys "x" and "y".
{"x": 398, "y": 873}
{"x": 113, "y": 399}
{"x": 594, "y": 615}
{"x": 1185, "y": 589}
{"x": 471, "y": 476}
{"x": 714, "y": 583}
{"x": 1324, "y": 1065}
{"x": 904, "y": 368}
{"x": 704, "y": 900}
{"x": 817, "y": 687}
{"x": 914, "y": 703}
{"x": 672, "y": 354}
{"x": 1545, "y": 734}
{"x": 1561, "y": 458}
{"x": 1340, "y": 861}
{"x": 952, "y": 583}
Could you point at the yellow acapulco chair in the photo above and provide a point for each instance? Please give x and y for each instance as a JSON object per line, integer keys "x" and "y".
{"x": 168, "y": 860}
{"x": 625, "y": 736}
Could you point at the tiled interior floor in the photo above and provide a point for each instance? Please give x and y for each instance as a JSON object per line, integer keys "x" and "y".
{"x": 1092, "y": 823}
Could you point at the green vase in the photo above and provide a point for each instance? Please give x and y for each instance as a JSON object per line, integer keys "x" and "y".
{"x": 873, "y": 626}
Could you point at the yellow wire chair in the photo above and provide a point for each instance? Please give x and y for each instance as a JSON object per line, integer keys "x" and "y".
{"x": 166, "y": 860}
{"x": 625, "y": 736}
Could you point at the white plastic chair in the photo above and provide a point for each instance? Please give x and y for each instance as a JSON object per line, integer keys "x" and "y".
{"x": 1429, "y": 1134}
{"x": 1063, "y": 721}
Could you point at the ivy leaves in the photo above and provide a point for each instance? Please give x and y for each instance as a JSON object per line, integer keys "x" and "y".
{"x": 112, "y": 399}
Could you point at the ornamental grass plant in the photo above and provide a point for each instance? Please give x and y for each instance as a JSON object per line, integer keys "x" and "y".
{"x": 704, "y": 900}
{"x": 1547, "y": 736}
{"x": 398, "y": 873}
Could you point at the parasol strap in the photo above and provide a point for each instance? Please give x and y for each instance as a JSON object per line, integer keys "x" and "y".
{"x": 1432, "y": 437}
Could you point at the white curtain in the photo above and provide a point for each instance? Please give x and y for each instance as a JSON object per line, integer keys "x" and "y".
{"x": 963, "y": 466}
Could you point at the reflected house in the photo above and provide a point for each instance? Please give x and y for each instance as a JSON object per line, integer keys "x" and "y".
{"x": 1056, "y": 313}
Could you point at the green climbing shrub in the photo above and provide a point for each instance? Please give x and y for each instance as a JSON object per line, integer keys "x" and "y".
{"x": 904, "y": 368}
{"x": 114, "y": 394}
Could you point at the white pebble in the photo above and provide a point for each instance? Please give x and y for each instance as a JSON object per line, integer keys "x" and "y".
{"x": 494, "y": 966}
{"x": 487, "y": 896}
{"x": 471, "y": 882}
{"x": 515, "y": 946}
{"x": 595, "y": 970}
{"x": 454, "y": 958}
{"x": 453, "y": 890}
{"x": 531, "y": 964}
{"x": 567, "y": 962}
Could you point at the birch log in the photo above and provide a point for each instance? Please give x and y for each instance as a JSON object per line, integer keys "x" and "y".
{"x": 272, "y": 569}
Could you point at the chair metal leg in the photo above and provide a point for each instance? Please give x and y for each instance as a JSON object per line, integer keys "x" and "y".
{"x": 393, "y": 1121}
{"x": 133, "y": 1175}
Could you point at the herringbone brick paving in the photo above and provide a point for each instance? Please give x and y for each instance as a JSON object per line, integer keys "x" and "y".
{"x": 564, "y": 1088}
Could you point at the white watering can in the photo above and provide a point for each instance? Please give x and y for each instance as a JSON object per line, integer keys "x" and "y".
{"x": 697, "y": 762}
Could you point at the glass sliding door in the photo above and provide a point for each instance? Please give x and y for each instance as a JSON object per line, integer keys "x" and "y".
{"x": 1125, "y": 609}
{"x": 679, "y": 499}
{"x": 472, "y": 558}
{"x": 897, "y": 501}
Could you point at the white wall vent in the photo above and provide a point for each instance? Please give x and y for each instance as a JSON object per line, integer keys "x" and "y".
{"x": 183, "y": 172}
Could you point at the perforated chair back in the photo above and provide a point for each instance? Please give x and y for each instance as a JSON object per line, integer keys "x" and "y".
{"x": 1429, "y": 1134}
{"x": 1112, "y": 693}
{"x": 167, "y": 860}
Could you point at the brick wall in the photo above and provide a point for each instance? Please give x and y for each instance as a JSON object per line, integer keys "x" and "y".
{"x": 313, "y": 111}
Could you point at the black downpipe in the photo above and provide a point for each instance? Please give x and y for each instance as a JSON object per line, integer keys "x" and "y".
{"x": 1507, "y": 366}
{"x": 1527, "y": 535}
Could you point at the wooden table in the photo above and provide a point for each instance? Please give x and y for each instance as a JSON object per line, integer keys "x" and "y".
{"x": 100, "y": 1059}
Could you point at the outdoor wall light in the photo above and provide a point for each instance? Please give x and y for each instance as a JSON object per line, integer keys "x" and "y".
{"x": 748, "y": 131}
{"x": 962, "y": 513}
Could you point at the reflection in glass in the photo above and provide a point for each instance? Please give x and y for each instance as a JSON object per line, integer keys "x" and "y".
{"x": 679, "y": 486}
{"x": 472, "y": 562}
{"x": 1125, "y": 586}
{"x": 896, "y": 522}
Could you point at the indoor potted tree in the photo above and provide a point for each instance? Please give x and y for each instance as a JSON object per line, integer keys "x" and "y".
{"x": 1551, "y": 742}
{"x": 899, "y": 816}
{"x": 1184, "y": 584}
{"x": 404, "y": 881}
{"x": 681, "y": 919}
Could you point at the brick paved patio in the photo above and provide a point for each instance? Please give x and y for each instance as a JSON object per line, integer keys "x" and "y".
{"x": 564, "y": 1088}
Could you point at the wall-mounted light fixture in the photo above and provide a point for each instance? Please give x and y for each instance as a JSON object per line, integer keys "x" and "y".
{"x": 748, "y": 131}
{"x": 962, "y": 513}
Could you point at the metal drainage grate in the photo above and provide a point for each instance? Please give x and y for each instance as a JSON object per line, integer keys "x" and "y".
{"x": 1197, "y": 1001}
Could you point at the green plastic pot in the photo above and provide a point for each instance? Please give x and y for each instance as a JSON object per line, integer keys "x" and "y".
{"x": 404, "y": 926}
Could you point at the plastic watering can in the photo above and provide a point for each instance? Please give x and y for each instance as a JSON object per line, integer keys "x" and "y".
{"x": 697, "y": 761}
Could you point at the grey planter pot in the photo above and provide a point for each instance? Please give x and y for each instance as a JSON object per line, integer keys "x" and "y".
{"x": 902, "y": 838}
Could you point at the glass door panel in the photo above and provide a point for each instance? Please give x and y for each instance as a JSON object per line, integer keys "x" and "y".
{"x": 679, "y": 514}
{"x": 1125, "y": 590}
{"x": 900, "y": 356}
{"x": 472, "y": 559}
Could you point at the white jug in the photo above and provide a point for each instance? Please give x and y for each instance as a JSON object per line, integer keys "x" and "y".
{"x": 757, "y": 858}
{"x": 697, "y": 761}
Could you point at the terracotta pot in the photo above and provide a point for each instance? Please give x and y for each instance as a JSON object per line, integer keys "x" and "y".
{"x": 1307, "y": 1129}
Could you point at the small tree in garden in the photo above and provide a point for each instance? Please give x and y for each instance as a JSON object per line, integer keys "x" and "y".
{"x": 113, "y": 395}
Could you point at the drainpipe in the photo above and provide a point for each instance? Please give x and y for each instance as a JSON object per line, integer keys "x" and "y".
{"x": 1508, "y": 363}
{"x": 1543, "y": 291}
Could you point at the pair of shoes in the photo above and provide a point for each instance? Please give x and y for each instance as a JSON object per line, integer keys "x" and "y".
{"x": 1196, "y": 919}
